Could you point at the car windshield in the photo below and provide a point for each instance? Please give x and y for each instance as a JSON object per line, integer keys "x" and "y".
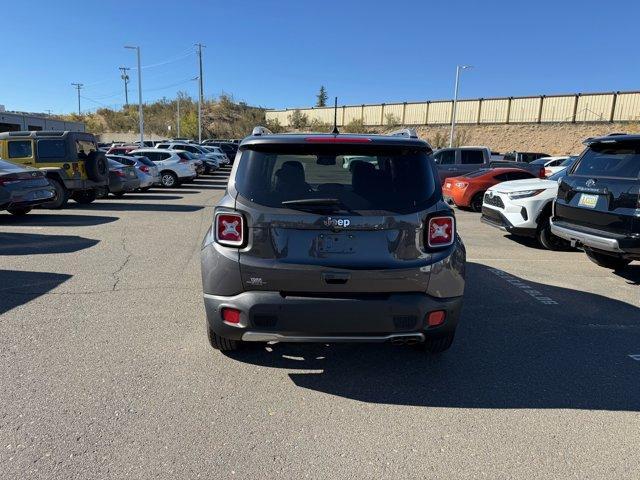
{"x": 145, "y": 161}
{"x": 540, "y": 161}
{"x": 618, "y": 159}
{"x": 381, "y": 179}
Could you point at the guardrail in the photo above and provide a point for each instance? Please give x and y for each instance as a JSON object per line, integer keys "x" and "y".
{"x": 576, "y": 108}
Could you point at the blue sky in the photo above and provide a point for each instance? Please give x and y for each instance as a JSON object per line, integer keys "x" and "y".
{"x": 277, "y": 54}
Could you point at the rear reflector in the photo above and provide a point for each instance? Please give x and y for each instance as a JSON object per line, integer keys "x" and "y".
{"x": 436, "y": 318}
{"x": 231, "y": 315}
{"x": 441, "y": 231}
{"x": 229, "y": 229}
{"x": 337, "y": 140}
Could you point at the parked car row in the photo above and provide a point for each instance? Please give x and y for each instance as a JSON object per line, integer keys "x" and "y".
{"x": 590, "y": 201}
{"x": 46, "y": 168}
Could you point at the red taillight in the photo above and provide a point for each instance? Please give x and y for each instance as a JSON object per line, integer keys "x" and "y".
{"x": 183, "y": 160}
{"x": 441, "y": 232}
{"x": 231, "y": 315}
{"x": 436, "y": 318}
{"x": 229, "y": 229}
{"x": 119, "y": 173}
{"x": 143, "y": 168}
{"x": 541, "y": 174}
{"x": 337, "y": 140}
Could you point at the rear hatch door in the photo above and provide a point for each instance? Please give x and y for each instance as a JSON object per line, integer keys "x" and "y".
{"x": 322, "y": 223}
{"x": 602, "y": 191}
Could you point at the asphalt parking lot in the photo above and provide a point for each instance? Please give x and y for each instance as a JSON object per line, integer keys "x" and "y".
{"x": 106, "y": 371}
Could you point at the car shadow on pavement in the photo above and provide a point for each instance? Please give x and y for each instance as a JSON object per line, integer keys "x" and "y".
{"x": 631, "y": 274}
{"x": 192, "y": 186}
{"x": 131, "y": 207}
{"x": 511, "y": 351}
{"x": 170, "y": 191}
{"x": 18, "y": 288}
{"x": 146, "y": 196}
{"x": 56, "y": 220}
{"x": 36, "y": 244}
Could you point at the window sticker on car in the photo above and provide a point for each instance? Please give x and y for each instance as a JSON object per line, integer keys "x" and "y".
{"x": 587, "y": 200}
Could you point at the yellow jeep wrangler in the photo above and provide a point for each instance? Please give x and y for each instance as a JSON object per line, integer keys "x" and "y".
{"x": 71, "y": 161}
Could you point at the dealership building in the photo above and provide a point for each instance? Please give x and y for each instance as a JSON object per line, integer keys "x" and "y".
{"x": 15, "y": 121}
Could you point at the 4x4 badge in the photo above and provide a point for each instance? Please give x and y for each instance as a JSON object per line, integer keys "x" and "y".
{"x": 590, "y": 183}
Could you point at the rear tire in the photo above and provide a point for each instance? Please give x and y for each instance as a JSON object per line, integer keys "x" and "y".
{"x": 438, "y": 344}
{"x": 476, "y": 202}
{"x": 607, "y": 261}
{"x": 62, "y": 195}
{"x": 19, "y": 212}
{"x": 548, "y": 240}
{"x": 168, "y": 179}
{"x": 84, "y": 197}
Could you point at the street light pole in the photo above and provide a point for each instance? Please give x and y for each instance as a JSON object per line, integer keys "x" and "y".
{"x": 455, "y": 102}
{"x": 140, "y": 113}
{"x": 200, "y": 92}
{"x": 78, "y": 87}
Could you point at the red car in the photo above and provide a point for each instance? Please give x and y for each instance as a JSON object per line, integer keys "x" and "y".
{"x": 122, "y": 150}
{"x": 468, "y": 190}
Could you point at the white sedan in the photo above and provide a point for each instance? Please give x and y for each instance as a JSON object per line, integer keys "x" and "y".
{"x": 553, "y": 164}
{"x": 523, "y": 207}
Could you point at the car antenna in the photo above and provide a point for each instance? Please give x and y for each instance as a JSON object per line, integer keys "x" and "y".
{"x": 335, "y": 116}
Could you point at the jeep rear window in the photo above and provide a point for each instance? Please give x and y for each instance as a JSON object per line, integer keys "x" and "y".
{"x": 361, "y": 177}
{"x": 620, "y": 159}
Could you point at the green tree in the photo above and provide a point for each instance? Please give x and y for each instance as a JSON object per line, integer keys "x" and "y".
{"x": 322, "y": 97}
{"x": 298, "y": 120}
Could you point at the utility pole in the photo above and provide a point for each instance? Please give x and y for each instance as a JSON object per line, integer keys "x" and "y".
{"x": 455, "y": 102}
{"x": 78, "y": 87}
{"x": 140, "y": 113}
{"x": 125, "y": 77}
{"x": 200, "y": 94}
{"x": 178, "y": 119}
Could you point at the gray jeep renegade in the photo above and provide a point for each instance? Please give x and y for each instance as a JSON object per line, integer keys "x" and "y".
{"x": 333, "y": 238}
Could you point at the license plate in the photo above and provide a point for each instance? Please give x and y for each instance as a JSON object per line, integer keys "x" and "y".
{"x": 336, "y": 243}
{"x": 587, "y": 200}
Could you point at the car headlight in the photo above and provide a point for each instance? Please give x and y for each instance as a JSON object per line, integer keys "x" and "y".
{"x": 461, "y": 184}
{"x": 524, "y": 194}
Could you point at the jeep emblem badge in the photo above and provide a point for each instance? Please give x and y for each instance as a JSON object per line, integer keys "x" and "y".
{"x": 590, "y": 183}
{"x": 337, "y": 222}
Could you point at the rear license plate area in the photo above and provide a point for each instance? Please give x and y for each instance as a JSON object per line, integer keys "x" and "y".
{"x": 587, "y": 200}
{"x": 336, "y": 243}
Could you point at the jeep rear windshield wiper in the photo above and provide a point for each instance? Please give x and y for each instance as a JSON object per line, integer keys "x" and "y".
{"x": 326, "y": 203}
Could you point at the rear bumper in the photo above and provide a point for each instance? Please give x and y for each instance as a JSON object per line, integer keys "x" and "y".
{"x": 270, "y": 316}
{"x": 596, "y": 239}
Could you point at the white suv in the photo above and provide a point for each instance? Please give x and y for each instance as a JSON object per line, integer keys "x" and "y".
{"x": 523, "y": 207}
{"x": 173, "y": 169}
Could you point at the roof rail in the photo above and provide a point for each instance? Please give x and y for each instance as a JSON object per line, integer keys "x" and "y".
{"x": 405, "y": 132}
{"x": 260, "y": 131}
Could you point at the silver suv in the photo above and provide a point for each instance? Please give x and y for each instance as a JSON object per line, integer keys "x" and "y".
{"x": 302, "y": 249}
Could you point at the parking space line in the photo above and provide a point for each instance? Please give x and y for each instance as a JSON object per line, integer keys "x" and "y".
{"x": 635, "y": 357}
{"x": 536, "y": 294}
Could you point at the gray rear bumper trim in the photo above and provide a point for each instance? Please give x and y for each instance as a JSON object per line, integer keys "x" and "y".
{"x": 587, "y": 239}
{"x": 276, "y": 337}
